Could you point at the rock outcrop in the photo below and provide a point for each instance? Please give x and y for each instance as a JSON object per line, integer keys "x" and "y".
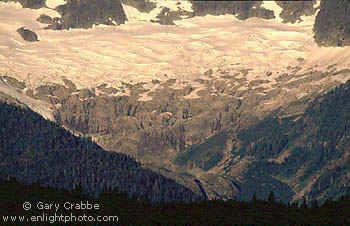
{"x": 45, "y": 19}
{"x": 28, "y": 35}
{"x": 32, "y": 4}
{"x": 332, "y": 24}
{"x": 86, "y": 13}
{"x": 293, "y": 10}
{"x": 243, "y": 9}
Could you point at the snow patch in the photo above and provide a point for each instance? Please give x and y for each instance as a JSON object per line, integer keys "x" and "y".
{"x": 54, "y": 3}
{"x": 174, "y": 5}
{"x": 317, "y": 4}
{"x": 271, "y": 5}
{"x": 38, "y": 106}
{"x": 132, "y": 14}
{"x": 323, "y": 57}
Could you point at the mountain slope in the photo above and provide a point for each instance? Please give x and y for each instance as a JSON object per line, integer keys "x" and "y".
{"x": 33, "y": 149}
{"x": 157, "y": 79}
{"x": 307, "y": 153}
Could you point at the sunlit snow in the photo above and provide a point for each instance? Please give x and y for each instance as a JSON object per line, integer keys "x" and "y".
{"x": 54, "y": 3}
{"x": 272, "y": 5}
{"x": 36, "y": 105}
{"x": 141, "y": 51}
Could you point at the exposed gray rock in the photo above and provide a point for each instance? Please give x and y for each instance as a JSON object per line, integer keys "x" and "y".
{"x": 220, "y": 186}
{"x": 167, "y": 17}
{"x": 28, "y": 35}
{"x": 85, "y": 13}
{"x": 71, "y": 86}
{"x": 33, "y": 4}
{"x": 243, "y": 9}
{"x": 58, "y": 91}
{"x": 14, "y": 82}
{"x": 85, "y": 94}
{"x": 107, "y": 90}
{"x": 293, "y": 10}
{"x": 45, "y": 19}
{"x": 332, "y": 24}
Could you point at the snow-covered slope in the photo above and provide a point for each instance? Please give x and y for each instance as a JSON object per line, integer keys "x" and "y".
{"x": 38, "y": 106}
{"x": 142, "y": 51}
{"x": 54, "y": 3}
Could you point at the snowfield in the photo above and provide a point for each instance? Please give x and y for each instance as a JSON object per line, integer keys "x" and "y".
{"x": 141, "y": 51}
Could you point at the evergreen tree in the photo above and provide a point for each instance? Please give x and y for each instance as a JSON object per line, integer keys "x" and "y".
{"x": 271, "y": 197}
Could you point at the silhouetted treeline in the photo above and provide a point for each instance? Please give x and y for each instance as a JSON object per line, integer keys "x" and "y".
{"x": 131, "y": 211}
{"x": 33, "y": 149}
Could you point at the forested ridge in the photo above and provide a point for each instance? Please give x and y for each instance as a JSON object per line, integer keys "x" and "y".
{"x": 33, "y": 149}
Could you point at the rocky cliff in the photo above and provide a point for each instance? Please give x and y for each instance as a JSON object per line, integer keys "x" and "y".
{"x": 32, "y": 4}
{"x": 85, "y": 13}
{"x": 332, "y": 24}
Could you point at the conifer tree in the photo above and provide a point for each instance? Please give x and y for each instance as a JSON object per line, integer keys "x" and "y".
{"x": 271, "y": 197}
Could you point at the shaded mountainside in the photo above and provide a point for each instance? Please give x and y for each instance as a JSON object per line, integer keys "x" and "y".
{"x": 33, "y": 149}
{"x": 308, "y": 153}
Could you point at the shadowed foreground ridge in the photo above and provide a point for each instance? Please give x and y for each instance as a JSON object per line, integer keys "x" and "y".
{"x": 130, "y": 211}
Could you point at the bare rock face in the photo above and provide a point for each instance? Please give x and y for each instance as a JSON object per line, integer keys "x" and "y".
{"x": 243, "y": 9}
{"x": 27, "y": 35}
{"x": 14, "y": 82}
{"x": 167, "y": 17}
{"x": 45, "y": 19}
{"x": 169, "y": 123}
{"x": 85, "y": 13}
{"x": 33, "y": 4}
{"x": 293, "y": 10}
{"x": 172, "y": 126}
{"x": 332, "y": 24}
